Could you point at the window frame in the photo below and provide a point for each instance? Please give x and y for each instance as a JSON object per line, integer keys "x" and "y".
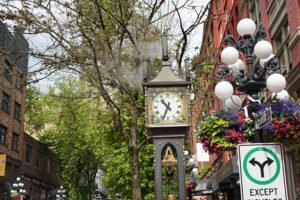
{"x": 15, "y": 142}
{"x": 17, "y": 112}
{"x": 3, "y": 135}
{"x": 19, "y": 81}
{"x": 39, "y": 159}
{"x": 8, "y": 71}
{"x": 5, "y": 103}
{"x": 28, "y": 154}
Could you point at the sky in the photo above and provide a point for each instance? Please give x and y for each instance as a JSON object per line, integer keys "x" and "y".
{"x": 187, "y": 14}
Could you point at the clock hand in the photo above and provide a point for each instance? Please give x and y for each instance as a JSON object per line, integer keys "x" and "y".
{"x": 167, "y": 105}
{"x": 167, "y": 108}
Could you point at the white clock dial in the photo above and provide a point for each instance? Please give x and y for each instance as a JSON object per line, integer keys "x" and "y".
{"x": 167, "y": 106}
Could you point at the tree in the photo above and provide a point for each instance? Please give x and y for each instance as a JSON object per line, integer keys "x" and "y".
{"x": 73, "y": 124}
{"x": 105, "y": 42}
{"x": 78, "y": 129}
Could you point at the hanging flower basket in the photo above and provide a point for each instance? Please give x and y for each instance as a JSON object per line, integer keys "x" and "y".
{"x": 190, "y": 183}
{"x": 224, "y": 130}
{"x": 285, "y": 124}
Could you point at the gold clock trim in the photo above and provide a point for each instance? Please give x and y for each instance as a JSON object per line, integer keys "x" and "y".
{"x": 152, "y": 120}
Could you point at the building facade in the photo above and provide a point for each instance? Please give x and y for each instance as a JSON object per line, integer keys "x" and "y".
{"x": 12, "y": 94}
{"x": 38, "y": 170}
{"x": 281, "y": 20}
{"x": 25, "y": 156}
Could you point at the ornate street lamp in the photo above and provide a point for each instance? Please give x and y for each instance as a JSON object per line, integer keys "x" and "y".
{"x": 18, "y": 187}
{"x": 61, "y": 193}
{"x": 98, "y": 196}
{"x": 250, "y": 80}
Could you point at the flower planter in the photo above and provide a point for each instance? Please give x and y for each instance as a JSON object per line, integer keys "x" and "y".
{"x": 224, "y": 130}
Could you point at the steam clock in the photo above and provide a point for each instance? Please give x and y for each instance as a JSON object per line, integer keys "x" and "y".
{"x": 168, "y": 121}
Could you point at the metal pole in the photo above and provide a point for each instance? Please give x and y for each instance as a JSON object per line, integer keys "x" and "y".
{"x": 190, "y": 194}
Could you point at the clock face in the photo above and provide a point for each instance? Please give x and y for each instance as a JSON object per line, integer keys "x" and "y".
{"x": 167, "y": 106}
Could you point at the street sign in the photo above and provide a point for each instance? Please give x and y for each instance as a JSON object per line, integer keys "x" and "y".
{"x": 263, "y": 119}
{"x": 262, "y": 172}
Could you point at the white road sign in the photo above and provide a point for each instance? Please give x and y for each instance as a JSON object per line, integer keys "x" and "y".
{"x": 262, "y": 172}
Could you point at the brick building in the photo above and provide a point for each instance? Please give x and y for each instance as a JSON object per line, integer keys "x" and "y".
{"x": 281, "y": 19}
{"x": 19, "y": 147}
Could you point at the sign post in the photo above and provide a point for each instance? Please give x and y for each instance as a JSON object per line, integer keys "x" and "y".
{"x": 262, "y": 172}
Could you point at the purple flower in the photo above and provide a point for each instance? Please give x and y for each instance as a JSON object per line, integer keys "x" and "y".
{"x": 261, "y": 109}
{"x": 285, "y": 107}
{"x": 226, "y": 115}
{"x": 269, "y": 127}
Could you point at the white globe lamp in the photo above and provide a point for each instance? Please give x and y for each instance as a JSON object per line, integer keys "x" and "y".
{"x": 262, "y": 61}
{"x": 237, "y": 66}
{"x": 186, "y": 153}
{"x": 246, "y": 26}
{"x": 229, "y": 55}
{"x": 276, "y": 83}
{"x": 233, "y": 103}
{"x": 223, "y": 90}
{"x": 195, "y": 171}
{"x": 191, "y": 160}
{"x": 263, "y": 49}
{"x": 283, "y": 95}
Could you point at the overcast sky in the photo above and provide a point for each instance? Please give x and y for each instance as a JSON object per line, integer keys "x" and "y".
{"x": 187, "y": 15}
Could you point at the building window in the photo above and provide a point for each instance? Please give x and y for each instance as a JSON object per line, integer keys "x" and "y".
{"x": 17, "y": 111}
{"x": 254, "y": 11}
{"x": 292, "y": 165}
{"x": 16, "y": 169}
{"x": 281, "y": 48}
{"x": 8, "y": 69}
{"x": 28, "y": 157}
{"x": 3, "y": 134}
{"x": 5, "y": 102}
{"x": 15, "y": 141}
{"x": 39, "y": 159}
{"x": 226, "y": 14}
{"x": 220, "y": 32}
{"x": 272, "y": 12}
{"x": 49, "y": 165}
{"x": 19, "y": 82}
{"x": 218, "y": 6}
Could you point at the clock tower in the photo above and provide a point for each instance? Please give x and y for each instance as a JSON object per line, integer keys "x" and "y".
{"x": 168, "y": 120}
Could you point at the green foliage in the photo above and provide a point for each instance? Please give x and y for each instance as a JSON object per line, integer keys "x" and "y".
{"x": 80, "y": 132}
{"x": 35, "y": 117}
{"x": 203, "y": 171}
{"x": 223, "y": 130}
{"x": 74, "y": 133}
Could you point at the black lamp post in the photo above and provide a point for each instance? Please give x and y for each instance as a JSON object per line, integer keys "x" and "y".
{"x": 18, "y": 187}
{"x": 61, "y": 193}
{"x": 253, "y": 79}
